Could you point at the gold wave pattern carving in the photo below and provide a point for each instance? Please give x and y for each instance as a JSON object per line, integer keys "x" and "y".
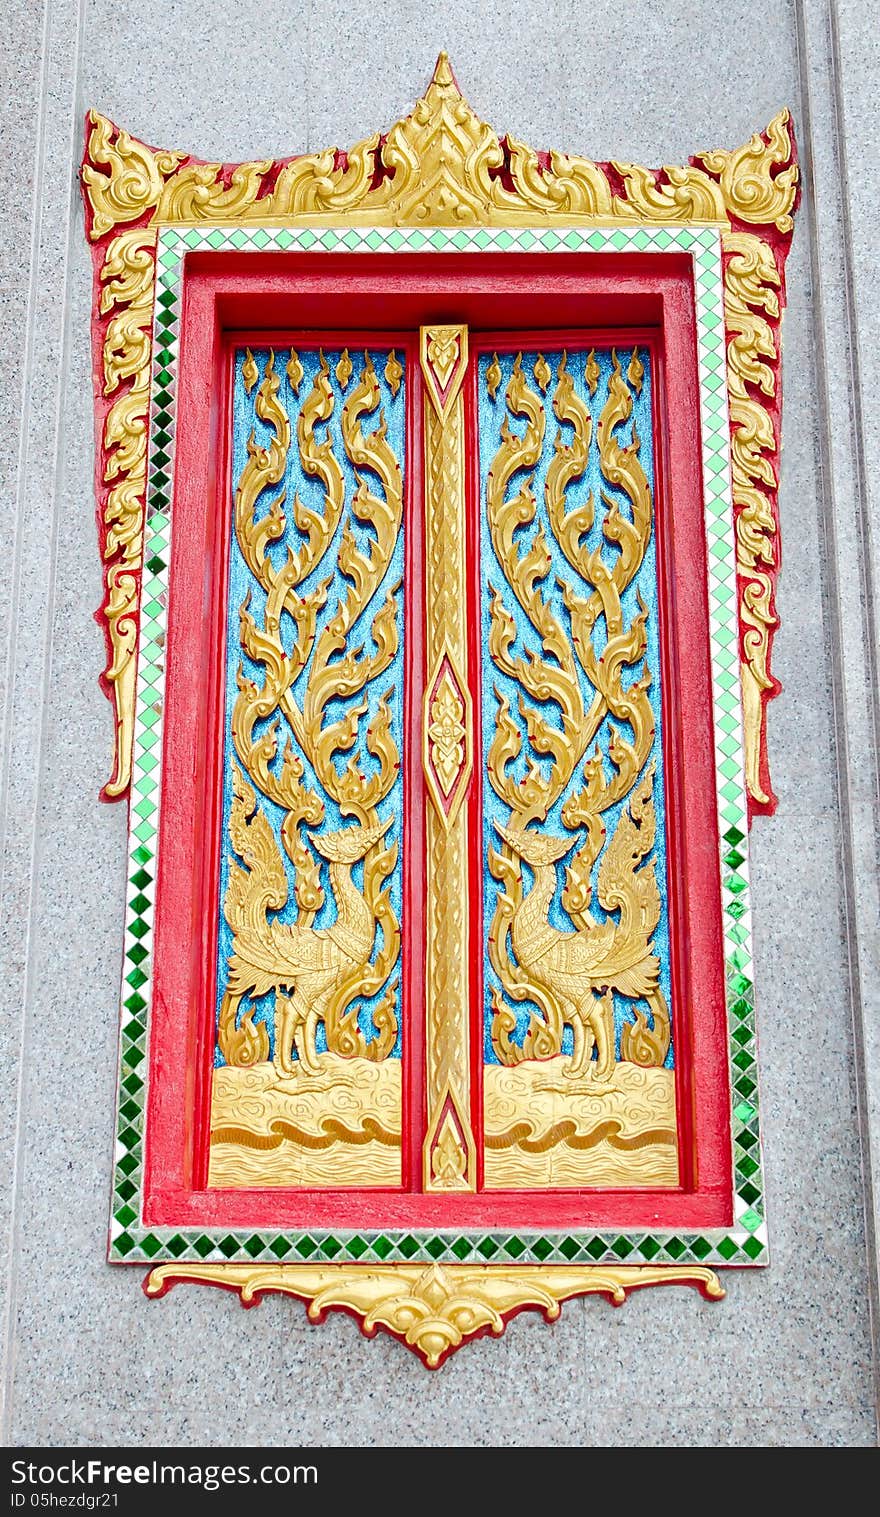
{"x": 571, "y": 976}
{"x": 332, "y": 1131}
{"x": 433, "y": 1310}
{"x": 544, "y": 1129}
{"x": 440, "y": 166}
{"x": 316, "y": 973}
{"x": 340, "y": 1127}
{"x": 522, "y": 1135}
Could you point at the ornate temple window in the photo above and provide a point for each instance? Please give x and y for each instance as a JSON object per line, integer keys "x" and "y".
{"x": 437, "y": 505}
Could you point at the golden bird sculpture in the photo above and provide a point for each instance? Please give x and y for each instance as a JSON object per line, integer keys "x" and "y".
{"x": 304, "y": 965}
{"x": 582, "y": 969}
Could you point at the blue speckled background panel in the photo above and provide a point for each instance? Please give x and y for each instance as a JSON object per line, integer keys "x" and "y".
{"x": 311, "y": 493}
{"x": 491, "y": 415}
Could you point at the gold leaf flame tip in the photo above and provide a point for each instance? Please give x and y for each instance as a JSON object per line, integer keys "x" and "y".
{"x": 344, "y": 369}
{"x": 393, "y": 372}
{"x": 493, "y": 376}
{"x": 591, "y": 371}
{"x": 636, "y": 372}
{"x": 542, "y": 373}
{"x": 295, "y": 371}
{"x": 249, "y": 372}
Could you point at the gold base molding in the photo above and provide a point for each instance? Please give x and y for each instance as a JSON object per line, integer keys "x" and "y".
{"x": 433, "y": 1309}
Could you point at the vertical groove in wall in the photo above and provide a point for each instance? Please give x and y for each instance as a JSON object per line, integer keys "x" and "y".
{"x": 833, "y": 614}
{"x": 863, "y": 515}
{"x": 27, "y": 829}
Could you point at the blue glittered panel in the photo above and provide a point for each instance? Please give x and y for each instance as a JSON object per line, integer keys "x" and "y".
{"x": 492, "y": 415}
{"x": 310, "y": 490}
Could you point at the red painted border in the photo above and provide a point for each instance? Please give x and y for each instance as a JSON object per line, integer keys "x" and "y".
{"x": 625, "y": 292}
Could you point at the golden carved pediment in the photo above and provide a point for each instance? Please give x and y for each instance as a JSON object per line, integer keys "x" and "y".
{"x": 440, "y": 166}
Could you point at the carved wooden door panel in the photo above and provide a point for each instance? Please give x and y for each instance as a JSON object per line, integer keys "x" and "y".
{"x": 443, "y": 944}
{"x": 436, "y": 490}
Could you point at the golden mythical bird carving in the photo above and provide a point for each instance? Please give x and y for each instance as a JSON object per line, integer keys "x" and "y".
{"x": 306, "y": 966}
{"x": 579, "y": 971}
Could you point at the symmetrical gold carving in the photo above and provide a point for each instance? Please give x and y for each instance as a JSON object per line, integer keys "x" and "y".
{"x": 570, "y": 975}
{"x": 443, "y": 352}
{"x": 316, "y": 973}
{"x": 440, "y": 166}
{"x": 433, "y": 1310}
{"x": 447, "y": 748}
{"x": 447, "y": 733}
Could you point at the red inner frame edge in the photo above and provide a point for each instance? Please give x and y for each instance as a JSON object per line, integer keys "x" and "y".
{"x": 340, "y": 300}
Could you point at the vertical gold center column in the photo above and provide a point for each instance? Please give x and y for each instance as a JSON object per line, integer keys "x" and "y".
{"x": 449, "y": 1155}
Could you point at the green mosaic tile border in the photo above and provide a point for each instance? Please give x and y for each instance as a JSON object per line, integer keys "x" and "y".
{"x": 743, "y": 1244}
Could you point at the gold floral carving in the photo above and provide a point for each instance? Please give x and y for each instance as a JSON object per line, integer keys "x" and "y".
{"x": 569, "y": 976}
{"x": 444, "y": 358}
{"x": 433, "y": 1310}
{"x": 440, "y": 166}
{"x": 316, "y": 973}
{"x": 447, "y": 733}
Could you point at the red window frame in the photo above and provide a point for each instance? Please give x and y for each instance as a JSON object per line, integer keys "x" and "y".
{"x": 343, "y": 300}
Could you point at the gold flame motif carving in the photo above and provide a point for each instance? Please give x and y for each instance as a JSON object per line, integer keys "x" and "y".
{"x": 440, "y": 166}
{"x": 570, "y": 975}
{"x": 579, "y": 680}
{"x": 316, "y": 973}
{"x": 751, "y": 297}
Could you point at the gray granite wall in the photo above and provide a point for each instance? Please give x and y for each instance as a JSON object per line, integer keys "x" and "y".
{"x": 787, "y": 1358}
